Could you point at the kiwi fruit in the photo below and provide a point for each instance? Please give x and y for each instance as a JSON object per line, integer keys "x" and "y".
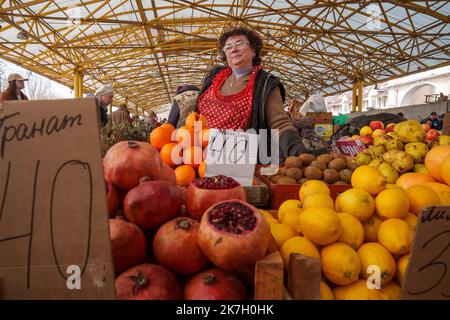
{"x": 313, "y": 173}
{"x": 303, "y": 180}
{"x": 319, "y": 164}
{"x": 346, "y": 175}
{"x": 326, "y": 158}
{"x": 276, "y": 177}
{"x": 340, "y": 156}
{"x": 293, "y": 162}
{"x": 306, "y": 158}
{"x": 286, "y": 180}
{"x": 282, "y": 171}
{"x": 331, "y": 176}
{"x": 337, "y": 164}
{"x": 294, "y": 173}
{"x": 340, "y": 183}
{"x": 352, "y": 165}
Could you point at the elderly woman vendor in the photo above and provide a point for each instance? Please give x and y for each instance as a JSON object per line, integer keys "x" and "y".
{"x": 241, "y": 95}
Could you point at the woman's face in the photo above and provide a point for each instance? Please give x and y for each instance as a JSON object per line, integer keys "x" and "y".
{"x": 238, "y": 52}
{"x": 20, "y": 84}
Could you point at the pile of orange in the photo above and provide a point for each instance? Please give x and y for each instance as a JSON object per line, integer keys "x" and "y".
{"x": 183, "y": 149}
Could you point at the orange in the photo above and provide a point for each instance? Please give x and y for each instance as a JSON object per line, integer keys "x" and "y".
{"x": 205, "y": 138}
{"x": 434, "y": 160}
{"x": 169, "y": 154}
{"x": 195, "y": 119}
{"x": 184, "y": 175}
{"x": 410, "y": 179}
{"x": 185, "y": 137}
{"x": 168, "y": 127}
{"x": 201, "y": 169}
{"x": 193, "y": 156}
{"x": 160, "y": 137}
{"x": 445, "y": 170}
{"x": 369, "y": 179}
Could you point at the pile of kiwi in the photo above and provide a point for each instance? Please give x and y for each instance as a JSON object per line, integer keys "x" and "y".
{"x": 332, "y": 169}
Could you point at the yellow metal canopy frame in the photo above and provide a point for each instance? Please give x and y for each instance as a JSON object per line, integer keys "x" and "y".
{"x": 146, "y": 48}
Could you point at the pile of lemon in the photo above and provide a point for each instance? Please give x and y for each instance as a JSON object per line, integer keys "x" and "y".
{"x": 371, "y": 224}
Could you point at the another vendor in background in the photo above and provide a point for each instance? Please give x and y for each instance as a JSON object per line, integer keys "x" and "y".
{"x": 121, "y": 116}
{"x": 183, "y": 104}
{"x": 241, "y": 95}
{"x": 16, "y": 83}
{"x": 105, "y": 96}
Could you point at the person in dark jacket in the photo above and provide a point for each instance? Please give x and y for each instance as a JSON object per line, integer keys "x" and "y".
{"x": 105, "y": 96}
{"x": 183, "y": 104}
{"x": 16, "y": 83}
{"x": 242, "y": 95}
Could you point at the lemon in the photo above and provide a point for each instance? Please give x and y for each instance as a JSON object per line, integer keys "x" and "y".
{"x": 442, "y": 190}
{"x": 320, "y": 200}
{"x": 369, "y": 179}
{"x": 371, "y": 227}
{"x": 392, "y": 290}
{"x": 340, "y": 263}
{"x": 325, "y": 292}
{"x": 358, "y": 291}
{"x": 392, "y": 203}
{"x": 320, "y": 225}
{"x": 281, "y": 233}
{"x": 298, "y": 245}
{"x": 288, "y": 206}
{"x": 420, "y": 197}
{"x": 402, "y": 264}
{"x": 311, "y": 187}
{"x": 374, "y": 254}
{"x": 396, "y": 236}
{"x": 412, "y": 220}
{"x": 352, "y": 230}
{"x": 357, "y": 202}
{"x": 290, "y": 218}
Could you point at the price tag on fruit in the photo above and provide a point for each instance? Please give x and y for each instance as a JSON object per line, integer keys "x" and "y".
{"x": 233, "y": 154}
{"x": 54, "y": 235}
{"x": 428, "y": 272}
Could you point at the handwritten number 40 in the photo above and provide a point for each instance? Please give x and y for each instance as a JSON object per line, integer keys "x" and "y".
{"x": 4, "y": 199}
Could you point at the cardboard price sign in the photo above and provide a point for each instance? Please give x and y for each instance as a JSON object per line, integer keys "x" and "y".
{"x": 54, "y": 234}
{"x": 233, "y": 154}
{"x": 349, "y": 148}
{"x": 428, "y": 272}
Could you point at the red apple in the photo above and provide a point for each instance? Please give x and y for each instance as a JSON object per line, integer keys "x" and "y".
{"x": 426, "y": 127}
{"x": 390, "y": 127}
{"x": 374, "y": 125}
{"x": 367, "y": 140}
{"x": 431, "y": 134}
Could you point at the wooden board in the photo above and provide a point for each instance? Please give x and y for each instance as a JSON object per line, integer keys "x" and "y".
{"x": 269, "y": 278}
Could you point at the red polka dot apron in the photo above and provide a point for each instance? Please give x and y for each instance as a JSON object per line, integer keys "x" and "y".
{"x": 227, "y": 112}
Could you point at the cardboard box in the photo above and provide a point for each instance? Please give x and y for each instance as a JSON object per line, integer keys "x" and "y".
{"x": 324, "y": 131}
{"x": 321, "y": 117}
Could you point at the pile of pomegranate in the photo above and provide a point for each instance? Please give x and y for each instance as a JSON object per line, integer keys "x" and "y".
{"x": 170, "y": 243}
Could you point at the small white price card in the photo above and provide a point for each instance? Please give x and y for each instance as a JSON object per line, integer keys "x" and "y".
{"x": 233, "y": 154}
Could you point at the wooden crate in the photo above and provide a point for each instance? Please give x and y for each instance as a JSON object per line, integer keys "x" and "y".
{"x": 278, "y": 193}
{"x": 257, "y": 194}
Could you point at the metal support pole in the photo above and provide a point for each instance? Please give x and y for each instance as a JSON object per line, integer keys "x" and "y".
{"x": 360, "y": 95}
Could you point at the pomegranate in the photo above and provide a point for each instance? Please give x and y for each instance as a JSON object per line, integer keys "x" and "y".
{"x": 175, "y": 246}
{"x": 127, "y": 161}
{"x": 167, "y": 174}
{"x": 215, "y": 284}
{"x": 112, "y": 199}
{"x": 147, "y": 282}
{"x": 205, "y": 192}
{"x": 128, "y": 244}
{"x": 152, "y": 203}
{"x": 233, "y": 235}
